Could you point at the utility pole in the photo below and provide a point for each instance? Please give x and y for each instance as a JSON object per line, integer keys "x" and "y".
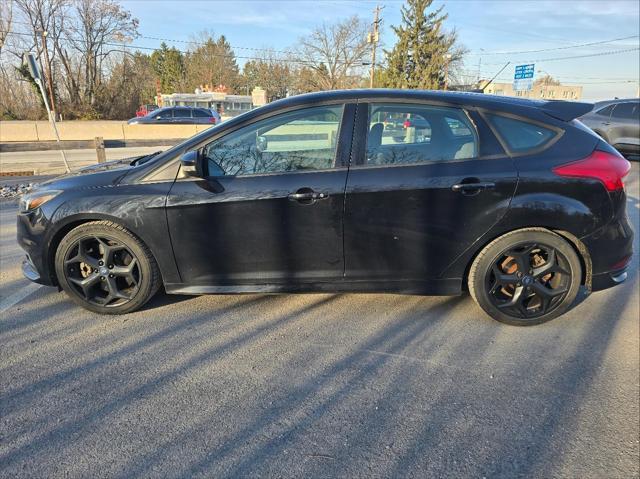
{"x": 49, "y": 79}
{"x": 373, "y": 38}
{"x": 447, "y": 59}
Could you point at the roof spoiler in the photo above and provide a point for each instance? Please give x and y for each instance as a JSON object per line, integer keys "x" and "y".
{"x": 566, "y": 110}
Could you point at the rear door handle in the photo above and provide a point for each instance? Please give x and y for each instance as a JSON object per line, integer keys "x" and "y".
{"x": 473, "y": 186}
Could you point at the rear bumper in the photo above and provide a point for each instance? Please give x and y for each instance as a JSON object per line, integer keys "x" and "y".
{"x": 611, "y": 250}
{"x": 608, "y": 280}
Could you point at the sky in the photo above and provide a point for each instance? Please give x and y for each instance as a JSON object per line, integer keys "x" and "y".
{"x": 491, "y": 31}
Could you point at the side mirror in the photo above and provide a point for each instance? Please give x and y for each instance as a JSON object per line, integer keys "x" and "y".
{"x": 261, "y": 144}
{"x": 189, "y": 163}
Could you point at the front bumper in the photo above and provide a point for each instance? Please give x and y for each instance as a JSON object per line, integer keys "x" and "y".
{"x": 29, "y": 270}
{"x": 32, "y": 230}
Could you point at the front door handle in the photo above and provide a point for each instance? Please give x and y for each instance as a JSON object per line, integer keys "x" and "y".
{"x": 307, "y": 196}
{"x": 473, "y": 186}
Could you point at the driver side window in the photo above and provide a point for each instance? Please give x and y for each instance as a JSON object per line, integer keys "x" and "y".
{"x": 299, "y": 140}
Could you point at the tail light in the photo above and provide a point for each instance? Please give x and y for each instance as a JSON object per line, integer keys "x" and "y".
{"x": 406, "y": 124}
{"x": 212, "y": 120}
{"x": 610, "y": 169}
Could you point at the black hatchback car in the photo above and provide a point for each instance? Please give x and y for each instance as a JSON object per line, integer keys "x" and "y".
{"x": 511, "y": 199}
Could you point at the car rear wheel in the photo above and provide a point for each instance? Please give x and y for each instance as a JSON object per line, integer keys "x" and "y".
{"x": 104, "y": 268}
{"x": 526, "y": 277}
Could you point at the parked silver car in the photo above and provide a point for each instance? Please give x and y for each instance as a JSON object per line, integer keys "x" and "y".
{"x": 618, "y": 123}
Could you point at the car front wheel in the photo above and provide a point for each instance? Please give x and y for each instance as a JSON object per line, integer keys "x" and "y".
{"x": 526, "y": 277}
{"x": 104, "y": 268}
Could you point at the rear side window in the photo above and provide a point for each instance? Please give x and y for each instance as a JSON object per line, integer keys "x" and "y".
{"x": 401, "y": 134}
{"x": 606, "y": 111}
{"x": 182, "y": 113}
{"x": 627, "y": 111}
{"x": 521, "y": 135}
{"x": 201, "y": 114}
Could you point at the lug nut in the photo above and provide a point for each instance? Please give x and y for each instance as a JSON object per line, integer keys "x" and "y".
{"x": 110, "y": 266}
{"x": 95, "y": 270}
{"x": 101, "y": 263}
{"x": 110, "y": 276}
{"x": 102, "y": 278}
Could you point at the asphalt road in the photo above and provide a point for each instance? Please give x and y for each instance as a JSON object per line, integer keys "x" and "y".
{"x": 50, "y": 161}
{"x": 315, "y": 385}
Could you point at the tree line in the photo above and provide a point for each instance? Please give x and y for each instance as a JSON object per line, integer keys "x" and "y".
{"x": 94, "y": 71}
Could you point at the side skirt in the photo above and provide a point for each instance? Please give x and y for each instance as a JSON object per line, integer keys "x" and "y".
{"x": 437, "y": 287}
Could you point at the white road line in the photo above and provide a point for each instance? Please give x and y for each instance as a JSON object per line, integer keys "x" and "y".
{"x": 15, "y": 298}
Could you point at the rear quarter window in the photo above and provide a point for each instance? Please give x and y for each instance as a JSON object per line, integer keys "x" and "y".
{"x": 521, "y": 136}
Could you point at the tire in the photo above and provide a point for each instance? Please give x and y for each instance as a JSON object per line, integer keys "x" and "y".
{"x": 104, "y": 268}
{"x": 526, "y": 277}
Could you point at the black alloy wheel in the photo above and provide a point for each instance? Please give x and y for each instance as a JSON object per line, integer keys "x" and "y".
{"x": 526, "y": 277}
{"x": 105, "y": 268}
{"x": 102, "y": 271}
{"x": 528, "y": 280}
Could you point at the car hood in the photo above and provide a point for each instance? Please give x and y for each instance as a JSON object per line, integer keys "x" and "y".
{"x": 102, "y": 174}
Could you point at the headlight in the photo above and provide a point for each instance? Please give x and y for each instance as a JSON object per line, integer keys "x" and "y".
{"x": 35, "y": 199}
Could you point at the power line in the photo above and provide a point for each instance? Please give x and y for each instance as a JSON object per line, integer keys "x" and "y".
{"x": 140, "y": 47}
{"x": 191, "y": 42}
{"x": 566, "y": 47}
{"x": 601, "y": 54}
{"x": 470, "y": 71}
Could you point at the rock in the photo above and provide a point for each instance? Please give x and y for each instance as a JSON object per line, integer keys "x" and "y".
{"x": 14, "y": 191}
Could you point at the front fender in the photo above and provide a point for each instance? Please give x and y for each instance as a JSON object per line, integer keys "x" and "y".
{"x": 138, "y": 207}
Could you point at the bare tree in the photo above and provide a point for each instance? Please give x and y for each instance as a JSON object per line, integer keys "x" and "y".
{"x": 269, "y": 72}
{"x": 44, "y": 18}
{"x": 6, "y": 17}
{"x": 335, "y": 54}
{"x": 97, "y": 29}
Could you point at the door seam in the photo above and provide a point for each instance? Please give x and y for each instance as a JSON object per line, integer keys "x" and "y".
{"x": 344, "y": 192}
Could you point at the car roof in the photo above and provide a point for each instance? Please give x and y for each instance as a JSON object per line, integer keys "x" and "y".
{"x": 614, "y": 101}
{"x": 559, "y": 109}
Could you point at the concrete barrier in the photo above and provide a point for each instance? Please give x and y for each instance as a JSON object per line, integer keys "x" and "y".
{"x": 157, "y": 132}
{"x": 18, "y": 131}
{"x": 34, "y": 131}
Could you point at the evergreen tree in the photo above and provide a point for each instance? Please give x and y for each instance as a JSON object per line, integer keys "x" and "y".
{"x": 212, "y": 62}
{"x": 168, "y": 64}
{"x": 423, "y": 50}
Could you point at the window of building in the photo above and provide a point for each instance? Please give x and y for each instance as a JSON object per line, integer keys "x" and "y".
{"x": 406, "y": 134}
{"x": 521, "y": 135}
{"x": 295, "y": 141}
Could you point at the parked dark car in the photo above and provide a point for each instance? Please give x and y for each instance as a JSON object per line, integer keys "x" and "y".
{"x": 509, "y": 198}
{"x": 618, "y": 123}
{"x": 178, "y": 115}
